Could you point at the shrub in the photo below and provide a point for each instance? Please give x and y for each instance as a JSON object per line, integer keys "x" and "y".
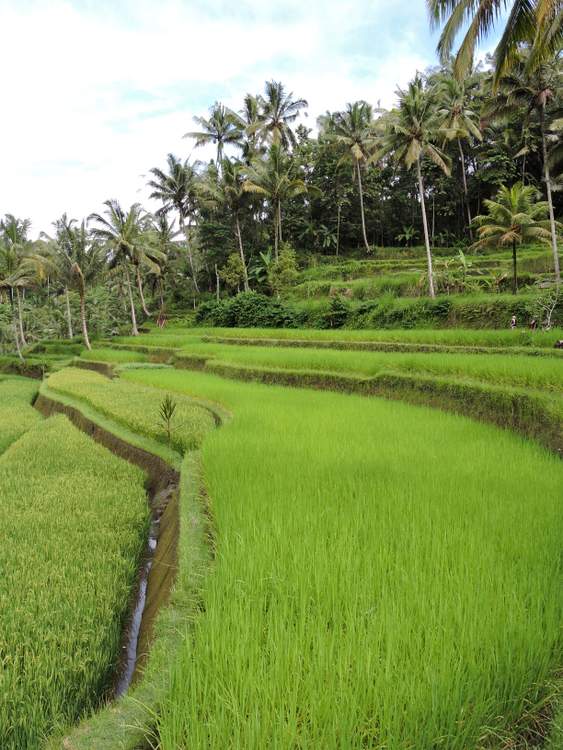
{"x": 246, "y": 310}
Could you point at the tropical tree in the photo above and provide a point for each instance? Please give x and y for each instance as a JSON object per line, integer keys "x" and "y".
{"x": 537, "y": 22}
{"x": 25, "y": 263}
{"x": 222, "y": 128}
{"x": 512, "y": 218}
{"x": 228, "y": 189}
{"x": 353, "y": 131}
{"x": 177, "y": 190}
{"x": 275, "y": 180}
{"x": 250, "y": 122}
{"x": 410, "y": 134}
{"x": 162, "y": 237}
{"x": 530, "y": 93}
{"x": 278, "y": 110}
{"x": 460, "y": 122}
{"x": 124, "y": 234}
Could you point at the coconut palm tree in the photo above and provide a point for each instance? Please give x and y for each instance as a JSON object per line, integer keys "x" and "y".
{"x": 538, "y": 22}
{"x": 228, "y": 189}
{"x": 250, "y": 122}
{"x": 17, "y": 247}
{"x": 410, "y": 134}
{"x": 460, "y": 122}
{"x": 279, "y": 110}
{"x": 176, "y": 189}
{"x": 352, "y": 131}
{"x": 78, "y": 263}
{"x": 512, "y": 218}
{"x": 531, "y": 93}
{"x": 222, "y": 128}
{"x": 124, "y": 235}
{"x": 162, "y": 236}
{"x": 274, "y": 179}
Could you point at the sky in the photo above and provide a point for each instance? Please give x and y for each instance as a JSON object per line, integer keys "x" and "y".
{"x": 96, "y": 92}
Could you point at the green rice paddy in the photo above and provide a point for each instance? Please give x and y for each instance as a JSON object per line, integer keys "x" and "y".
{"x": 386, "y": 577}
{"x": 74, "y": 522}
{"x": 135, "y": 407}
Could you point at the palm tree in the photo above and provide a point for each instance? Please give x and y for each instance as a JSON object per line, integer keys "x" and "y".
{"x": 249, "y": 121}
{"x": 411, "y": 132}
{"x": 124, "y": 235}
{"x": 531, "y": 93}
{"x": 513, "y": 218}
{"x": 353, "y": 131}
{"x": 460, "y": 122}
{"x": 17, "y": 247}
{"x": 275, "y": 179}
{"x": 228, "y": 189}
{"x": 176, "y": 189}
{"x": 78, "y": 263}
{"x": 162, "y": 237}
{"x": 538, "y": 22}
{"x": 279, "y": 109}
{"x": 221, "y": 128}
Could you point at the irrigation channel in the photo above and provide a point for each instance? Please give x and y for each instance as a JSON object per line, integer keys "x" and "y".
{"x": 158, "y": 565}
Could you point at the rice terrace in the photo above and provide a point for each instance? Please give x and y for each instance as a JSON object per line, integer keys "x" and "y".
{"x": 281, "y": 428}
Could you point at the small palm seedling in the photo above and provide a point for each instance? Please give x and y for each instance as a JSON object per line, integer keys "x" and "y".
{"x": 166, "y": 412}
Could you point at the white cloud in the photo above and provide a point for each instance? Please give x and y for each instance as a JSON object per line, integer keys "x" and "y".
{"x": 96, "y": 94}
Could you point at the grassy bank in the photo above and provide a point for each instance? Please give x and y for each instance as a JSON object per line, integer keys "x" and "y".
{"x": 74, "y": 521}
{"x": 16, "y": 412}
{"x": 179, "y": 336}
{"x": 135, "y": 407}
{"x": 396, "y": 587}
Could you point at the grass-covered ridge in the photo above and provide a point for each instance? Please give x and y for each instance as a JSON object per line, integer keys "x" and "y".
{"x": 544, "y": 373}
{"x": 74, "y": 521}
{"x": 178, "y": 336}
{"x": 409, "y": 602}
{"x": 16, "y": 412}
{"x": 135, "y": 407}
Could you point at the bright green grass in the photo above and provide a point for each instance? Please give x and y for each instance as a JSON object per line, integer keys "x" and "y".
{"x": 112, "y": 355}
{"x": 179, "y": 337}
{"x": 16, "y": 412}
{"x": 73, "y": 520}
{"x": 530, "y": 372}
{"x": 386, "y": 576}
{"x": 136, "y": 408}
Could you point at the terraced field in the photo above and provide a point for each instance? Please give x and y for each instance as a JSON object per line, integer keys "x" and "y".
{"x": 351, "y": 572}
{"x": 74, "y": 521}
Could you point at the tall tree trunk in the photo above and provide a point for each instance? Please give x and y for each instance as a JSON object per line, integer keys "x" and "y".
{"x": 241, "y": 250}
{"x": 514, "y": 273}
{"x": 141, "y": 293}
{"x": 338, "y": 213}
{"x": 217, "y": 284}
{"x": 276, "y": 229}
{"x": 68, "y": 315}
{"x": 280, "y": 222}
{"x": 465, "y": 191}
{"x": 190, "y": 256}
{"x": 362, "y": 213}
{"x": 135, "y": 330}
{"x": 20, "y": 316}
{"x": 425, "y": 225}
{"x": 15, "y": 325}
{"x": 433, "y": 218}
{"x": 547, "y": 179}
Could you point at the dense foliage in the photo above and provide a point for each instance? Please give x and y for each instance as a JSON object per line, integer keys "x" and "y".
{"x": 278, "y": 196}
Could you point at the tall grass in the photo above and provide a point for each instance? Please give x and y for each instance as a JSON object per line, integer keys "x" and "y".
{"x": 16, "y": 413}
{"x": 102, "y": 354}
{"x": 180, "y": 337}
{"x": 530, "y": 372}
{"x": 385, "y": 577}
{"x": 135, "y": 407}
{"x": 73, "y": 520}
